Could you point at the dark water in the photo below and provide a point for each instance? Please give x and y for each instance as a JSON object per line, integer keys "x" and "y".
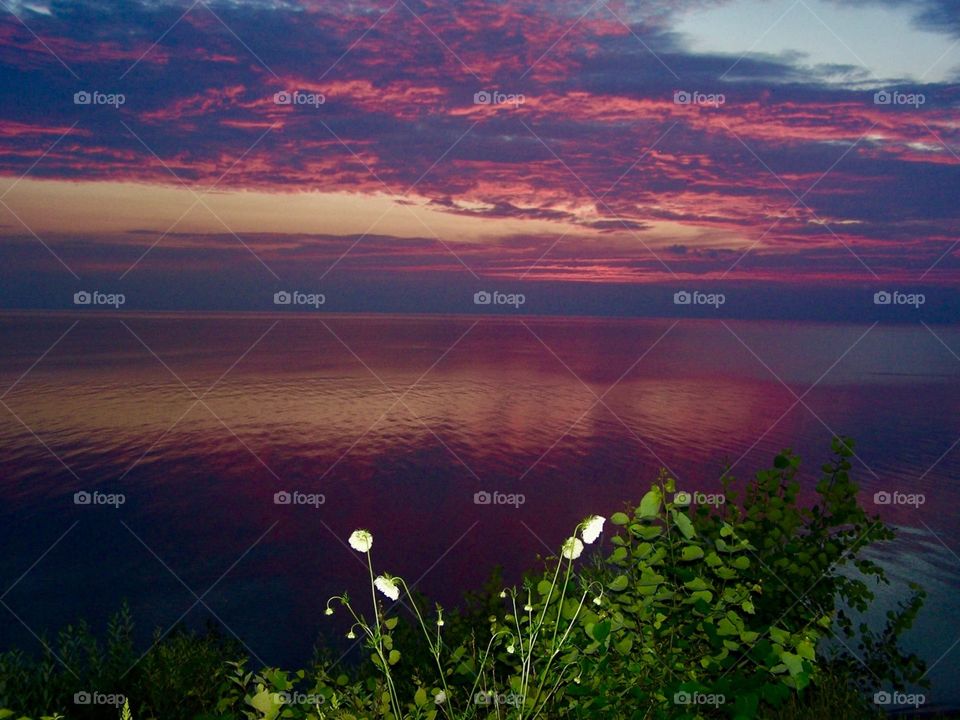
{"x": 398, "y": 422}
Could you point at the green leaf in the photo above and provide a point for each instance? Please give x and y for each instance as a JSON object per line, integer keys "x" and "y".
{"x": 647, "y": 532}
{"x": 394, "y": 657}
{"x": 648, "y": 582}
{"x": 266, "y": 703}
{"x": 697, "y": 583}
{"x": 391, "y": 623}
{"x": 619, "y": 583}
{"x": 704, "y": 595}
{"x": 683, "y": 523}
{"x": 601, "y": 630}
{"x": 649, "y": 504}
{"x": 725, "y": 627}
{"x": 691, "y": 552}
{"x": 619, "y": 518}
{"x": 544, "y": 587}
{"x": 779, "y": 636}
{"x": 793, "y": 662}
{"x": 420, "y": 697}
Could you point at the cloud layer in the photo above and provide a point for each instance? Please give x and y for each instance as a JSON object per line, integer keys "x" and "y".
{"x": 629, "y": 157}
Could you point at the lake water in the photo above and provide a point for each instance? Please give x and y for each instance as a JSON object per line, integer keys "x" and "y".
{"x": 199, "y": 421}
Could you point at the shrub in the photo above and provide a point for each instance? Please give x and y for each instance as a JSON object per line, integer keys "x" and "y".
{"x": 180, "y": 675}
{"x": 742, "y": 609}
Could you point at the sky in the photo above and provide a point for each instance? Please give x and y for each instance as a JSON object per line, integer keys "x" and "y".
{"x": 402, "y": 155}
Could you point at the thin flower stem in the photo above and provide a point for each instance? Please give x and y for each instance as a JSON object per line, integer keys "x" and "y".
{"x": 534, "y": 633}
{"x": 563, "y": 596}
{"x": 378, "y": 644}
{"x": 434, "y": 650}
{"x": 556, "y": 649}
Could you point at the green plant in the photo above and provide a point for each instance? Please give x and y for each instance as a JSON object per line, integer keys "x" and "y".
{"x": 177, "y": 677}
{"x": 462, "y": 675}
{"x": 731, "y": 604}
{"x": 746, "y": 608}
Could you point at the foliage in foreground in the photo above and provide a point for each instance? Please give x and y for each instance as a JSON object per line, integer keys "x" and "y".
{"x": 739, "y": 609}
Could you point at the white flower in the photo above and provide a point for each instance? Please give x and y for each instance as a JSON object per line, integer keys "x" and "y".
{"x": 328, "y": 611}
{"x": 361, "y": 540}
{"x": 592, "y": 527}
{"x": 597, "y": 600}
{"x": 440, "y": 698}
{"x": 387, "y": 586}
{"x": 572, "y": 547}
{"x": 510, "y": 649}
{"x": 351, "y": 635}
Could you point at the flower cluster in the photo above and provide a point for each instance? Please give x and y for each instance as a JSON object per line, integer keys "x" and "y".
{"x": 590, "y": 530}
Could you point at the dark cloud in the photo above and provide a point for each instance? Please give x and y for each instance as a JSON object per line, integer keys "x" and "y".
{"x": 596, "y": 135}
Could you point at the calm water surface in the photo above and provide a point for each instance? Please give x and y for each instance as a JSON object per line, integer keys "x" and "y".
{"x": 398, "y": 422}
